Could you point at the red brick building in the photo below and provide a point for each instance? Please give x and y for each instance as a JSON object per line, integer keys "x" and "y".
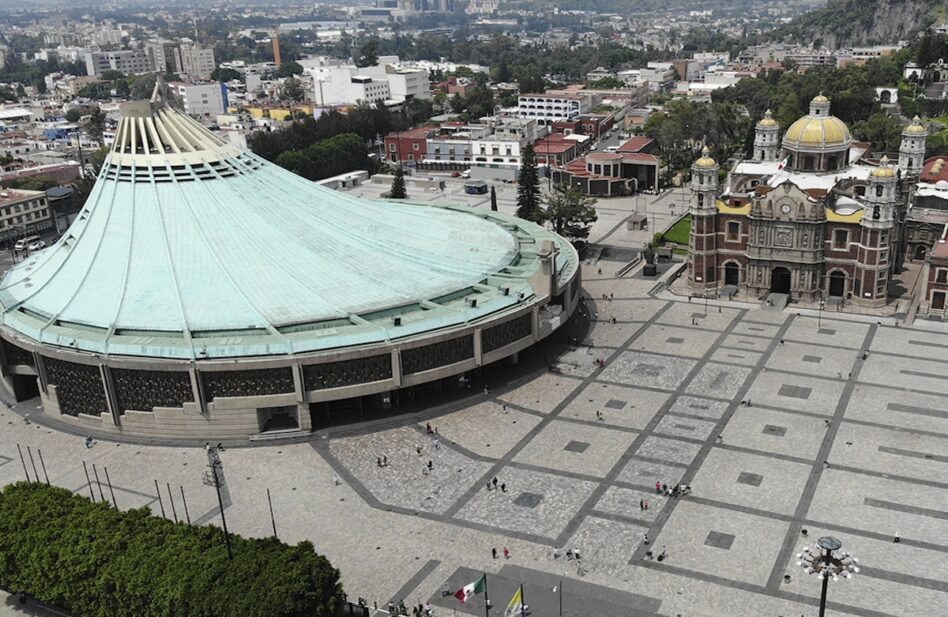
{"x": 407, "y": 146}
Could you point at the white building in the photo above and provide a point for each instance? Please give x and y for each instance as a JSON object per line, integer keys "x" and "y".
{"x": 208, "y": 99}
{"x": 547, "y": 108}
{"x": 127, "y": 62}
{"x": 194, "y": 62}
{"x": 505, "y": 141}
{"x": 347, "y": 85}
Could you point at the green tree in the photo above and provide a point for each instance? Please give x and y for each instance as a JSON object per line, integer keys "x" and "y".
{"x": 570, "y": 213}
{"x": 883, "y": 131}
{"x": 292, "y": 90}
{"x": 528, "y": 186}
{"x": 224, "y": 75}
{"x": 398, "y": 185}
{"x": 368, "y": 54}
{"x": 607, "y": 83}
{"x": 95, "y": 123}
{"x": 288, "y": 69}
{"x": 73, "y": 114}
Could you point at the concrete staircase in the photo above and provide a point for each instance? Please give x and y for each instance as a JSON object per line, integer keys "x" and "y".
{"x": 775, "y": 302}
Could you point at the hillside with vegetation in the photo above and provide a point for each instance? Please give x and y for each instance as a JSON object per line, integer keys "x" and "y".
{"x": 854, "y": 23}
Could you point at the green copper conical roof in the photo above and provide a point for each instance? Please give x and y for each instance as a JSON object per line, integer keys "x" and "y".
{"x": 189, "y": 247}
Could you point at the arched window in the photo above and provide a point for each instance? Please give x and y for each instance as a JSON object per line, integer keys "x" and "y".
{"x": 879, "y": 191}
{"x": 700, "y": 200}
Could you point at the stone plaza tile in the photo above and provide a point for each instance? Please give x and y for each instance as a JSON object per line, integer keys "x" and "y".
{"x": 486, "y": 429}
{"x": 579, "y": 448}
{"x": 628, "y": 502}
{"x": 774, "y": 431}
{"x": 619, "y": 405}
{"x": 560, "y": 498}
{"x": 810, "y": 331}
{"x": 685, "y": 427}
{"x": 796, "y": 392}
{"x": 642, "y": 369}
{"x": 403, "y": 482}
{"x": 606, "y": 546}
{"x": 898, "y": 408}
{"x": 828, "y": 362}
{"x": 718, "y": 380}
{"x": 907, "y": 342}
{"x": 693, "y": 540}
{"x": 543, "y": 393}
{"x": 741, "y": 342}
{"x": 729, "y": 355}
{"x": 639, "y": 309}
{"x": 889, "y": 451}
{"x": 671, "y": 450}
{"x": 880, "y": 505}
{"x": 689, "y": 342}
{"x": 701, "y": 407}
{"x": 750, "y": 480}
{"x": 681, "y": 313}
{"x": 602, "y": 333}
{"x": 647, "y": 473}
{"x": 892, "y": 595}
{"x": 580, "y": 362}
{"x": 912, "y": 373}
{"x": 751, "y": 328}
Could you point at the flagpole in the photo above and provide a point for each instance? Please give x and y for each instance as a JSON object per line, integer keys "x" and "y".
{"x": 486, "y": 599}
{"x": 523, "y": 602}
{"x": 561, "y": 598}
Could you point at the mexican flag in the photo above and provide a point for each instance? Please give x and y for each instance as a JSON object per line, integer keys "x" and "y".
{"x": 479, "y": 586}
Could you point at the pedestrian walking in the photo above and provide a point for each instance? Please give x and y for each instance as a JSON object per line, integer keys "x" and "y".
{"x": 646, "y": 505}
{"x": 641, "y": 504}
{"x": 26, "y": 418}
{"x": 494, "y": 481}
{"x": 486, "y": 390}
{"x": 503, "y": 488}
{"x": 430, "y": 464}
{"x": 898, "y": 537}
{"x": 418, "y": 450}
{"x": 493, "y": 553}
{"x": 658, "y": 486}
{"x": 664, "y": 487}
{"x": 645, "y": 538}
{"x": 428, "y": 428}
{"x": 220, "y": 447}
{"x": 599, "y": 416}
{"x": 89, "y": 441}
{"x": 488, "y": 486}
{"x": 503, "y": 408}
{"x": 506, "y": 553}
{"x": 335, "y": 480}
{"x": 556, "y": 552}
{"x": 378, "y": 461}
{"x": 384, "y": 461}
{"x": 437, "y": 444}
{"x": 207, "y": 446}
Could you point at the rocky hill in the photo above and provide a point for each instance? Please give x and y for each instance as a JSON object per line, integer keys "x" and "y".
{"x": 855, "y": 23}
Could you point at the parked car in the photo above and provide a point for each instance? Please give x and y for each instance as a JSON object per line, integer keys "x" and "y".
{"x": 22, "y": 243}
{"x": 466, "y": 173}
{"x": 455, "y": 174}
{"x": 612, "y": 149}
{"x": 37, "y": 246}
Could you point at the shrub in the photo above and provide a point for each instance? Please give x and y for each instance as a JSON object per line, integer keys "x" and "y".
{"x": 96, "y": 561}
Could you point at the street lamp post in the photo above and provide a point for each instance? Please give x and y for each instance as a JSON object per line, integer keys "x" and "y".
{"x": 823, "y": 561}
{"x": 214, "y": 478}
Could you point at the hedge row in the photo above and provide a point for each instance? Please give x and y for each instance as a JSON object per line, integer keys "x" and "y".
{"x": 95, "y": 561}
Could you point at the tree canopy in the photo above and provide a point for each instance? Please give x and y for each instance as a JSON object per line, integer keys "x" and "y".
{"x": 570, "y": 213}
{"x": 331, "y": 157}
{"x": 93, "y": 560}
{"x": 528, "y": 186}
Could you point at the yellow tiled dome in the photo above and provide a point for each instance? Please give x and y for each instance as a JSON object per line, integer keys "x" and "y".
{"x": 705, "y": 161}
{"x": 916, "y": 128}
{"x": 768, "y": 120}
{"x": 818, "y": 132}
{"x": 884, "y": 170}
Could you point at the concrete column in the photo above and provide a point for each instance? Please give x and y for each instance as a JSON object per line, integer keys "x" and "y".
{"x": 110, "y": 397}
{"x": 303, "y": 417}
{"x": 298, "y": 386}
{"x": 41, "y": 371}
{"x": 197, "y": 389}
{"x": 397, "y": 368}
{"x": 535, "y": 322}
{"x": 478, "y": 353}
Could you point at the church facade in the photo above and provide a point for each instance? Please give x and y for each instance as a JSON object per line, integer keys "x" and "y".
{"x": 807, "y": 216}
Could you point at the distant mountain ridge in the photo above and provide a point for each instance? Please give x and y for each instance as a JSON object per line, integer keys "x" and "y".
{"x": 855, "y": 23}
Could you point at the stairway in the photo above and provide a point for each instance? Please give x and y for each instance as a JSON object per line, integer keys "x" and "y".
{"x": 775, "y": 302}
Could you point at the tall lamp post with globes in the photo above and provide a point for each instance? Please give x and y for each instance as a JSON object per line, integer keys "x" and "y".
{"x": 823, "y": 561}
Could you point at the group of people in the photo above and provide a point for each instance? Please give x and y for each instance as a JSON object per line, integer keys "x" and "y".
{"x": 419, "y": 610}
{"x": 571, "y": 553}
{"x": 492, "y": 486}
{"x": 669, "y": 491}
{"x": 506, "y": 552}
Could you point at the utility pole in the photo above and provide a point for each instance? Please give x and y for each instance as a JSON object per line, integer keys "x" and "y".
{"x": 215, "y": 478}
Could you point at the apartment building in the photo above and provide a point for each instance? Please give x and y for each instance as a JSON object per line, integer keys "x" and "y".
{"x": 549, "y": 108}
{"x": 23, "y": 213}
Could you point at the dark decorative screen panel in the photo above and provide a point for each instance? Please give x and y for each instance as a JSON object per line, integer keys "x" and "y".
{"x": 257, "y": 382}
{"x": 504, "y": 334}
{"x": 347, "y": 372}
{"x": 437, "y": 354}
{"x": 14, "y": 354}
{"x": 145, "y": 390}
{"x": 78, "y": 386}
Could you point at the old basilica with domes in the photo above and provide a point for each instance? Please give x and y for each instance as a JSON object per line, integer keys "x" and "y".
{"x": 807, "y": 216}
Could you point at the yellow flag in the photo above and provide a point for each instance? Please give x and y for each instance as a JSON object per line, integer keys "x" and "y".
{"x": 515, "y": 607}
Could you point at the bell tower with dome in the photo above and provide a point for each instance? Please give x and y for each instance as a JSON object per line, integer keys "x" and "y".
{"x": 874, "y": 260}
{"x": 767, "y": 139}
{"x": 818, "y": 142}
{"x": 702, "y": 243}
{"x": 912, "y": 149}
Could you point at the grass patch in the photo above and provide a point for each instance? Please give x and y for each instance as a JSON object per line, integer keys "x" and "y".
{"x": 679, "y": 232}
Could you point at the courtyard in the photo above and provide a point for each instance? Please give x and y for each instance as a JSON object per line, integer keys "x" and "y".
{"x": 835, "y": 441}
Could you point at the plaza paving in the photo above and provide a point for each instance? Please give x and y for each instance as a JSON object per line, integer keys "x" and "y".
{"x": 831, "y": 443}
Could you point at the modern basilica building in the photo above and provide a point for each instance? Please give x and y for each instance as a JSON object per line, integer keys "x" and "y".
{"x": 807, "y": 216}
{"x": 203, "y": 293}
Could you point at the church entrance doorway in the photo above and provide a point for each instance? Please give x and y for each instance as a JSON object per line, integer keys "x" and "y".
{"x": 732, "y": 274}
{"x": 837, "y": 284}
{"x": 919, "y": 252}
{"x": 780, "y": 280}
